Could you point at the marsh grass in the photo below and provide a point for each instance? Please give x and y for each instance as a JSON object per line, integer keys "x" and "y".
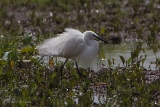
{"x": 24, "y": 81}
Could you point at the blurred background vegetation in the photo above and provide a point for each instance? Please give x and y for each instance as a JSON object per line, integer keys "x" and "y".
{"x": 126, "y": 18}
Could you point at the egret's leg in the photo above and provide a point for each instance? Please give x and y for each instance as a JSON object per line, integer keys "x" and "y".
{"x": 61, "y": 69}
{"x": 40, "y": 59}
{"x": 79, "y": 73}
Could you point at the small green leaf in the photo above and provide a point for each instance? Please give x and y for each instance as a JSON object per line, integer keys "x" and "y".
{"x": 122, "y": 59}
{"x": 28, "y": 49}
{"x": 102, "y": 31}
{"x": 53, "y": 75}
{"x": 0, "y": 71}
{"x": 102, "y": 54}
{"x": 128, "y": 61}
{"x": 27, "y": 41}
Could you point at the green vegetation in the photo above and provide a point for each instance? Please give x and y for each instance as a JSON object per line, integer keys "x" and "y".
{"x": 26, "y": 82}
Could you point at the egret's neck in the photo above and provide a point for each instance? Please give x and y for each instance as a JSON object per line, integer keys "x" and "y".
{"x": 87, "y": 40}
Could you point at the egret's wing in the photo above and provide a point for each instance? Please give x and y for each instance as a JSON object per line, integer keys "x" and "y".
{"x": 58, "y": 46}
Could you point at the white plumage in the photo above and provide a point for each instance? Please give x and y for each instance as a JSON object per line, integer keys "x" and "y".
{"x": 71, "y": 44}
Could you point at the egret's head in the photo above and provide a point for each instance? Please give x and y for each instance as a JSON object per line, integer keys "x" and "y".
{"x": 91, "y": 35}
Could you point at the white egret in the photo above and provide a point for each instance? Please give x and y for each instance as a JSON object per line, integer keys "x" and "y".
{"x": 72, "y": 44}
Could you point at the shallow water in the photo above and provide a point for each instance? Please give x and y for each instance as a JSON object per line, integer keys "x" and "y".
{"x": 124, "y": 49}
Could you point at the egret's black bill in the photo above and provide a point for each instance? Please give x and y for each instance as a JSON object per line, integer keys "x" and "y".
{"x": 101, "y": 39}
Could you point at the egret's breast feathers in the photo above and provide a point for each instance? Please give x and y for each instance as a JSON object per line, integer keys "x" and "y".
{"x": 88, "y": 53}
